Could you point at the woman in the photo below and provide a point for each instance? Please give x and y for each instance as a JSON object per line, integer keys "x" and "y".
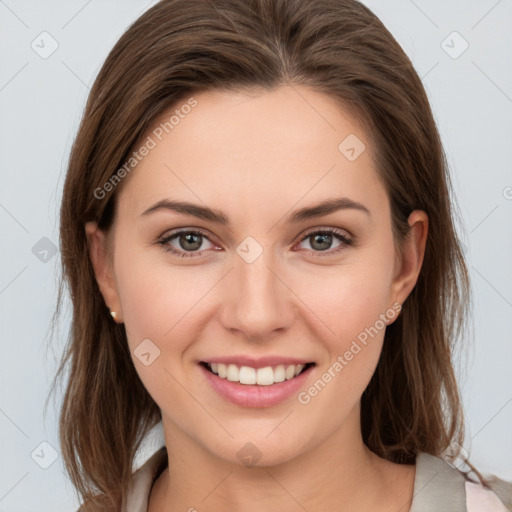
{"x": 257, "y": 234}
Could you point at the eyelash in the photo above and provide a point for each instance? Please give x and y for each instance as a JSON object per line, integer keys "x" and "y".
{"x": 342, "y": 237}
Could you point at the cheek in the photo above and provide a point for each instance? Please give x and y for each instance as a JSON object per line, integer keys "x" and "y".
{"x": 357, "y": 315}
{"x": 155, "y": 296}
{"x": 145, "y": 302}
{"x": 353, "y": 301}
{"x": 166, "y": 305}
{"x": 358, "y": 320}
{"x": 158, "y": 305}
{"x": 350, "y": 298}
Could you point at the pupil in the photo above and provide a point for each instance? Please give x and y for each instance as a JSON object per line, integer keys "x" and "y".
{"x": 325, "y": 241}
{"x": 189, "y": 238}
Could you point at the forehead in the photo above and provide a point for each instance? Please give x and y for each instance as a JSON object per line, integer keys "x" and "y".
{"x": 253, "y": 150}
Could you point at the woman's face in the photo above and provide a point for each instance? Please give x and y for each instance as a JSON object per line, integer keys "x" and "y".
{"x": 261, "y": 275}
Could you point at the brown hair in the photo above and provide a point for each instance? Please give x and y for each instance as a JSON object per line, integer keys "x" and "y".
{"x": 340, "y": 47}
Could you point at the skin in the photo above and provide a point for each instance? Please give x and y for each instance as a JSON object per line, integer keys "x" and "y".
{"x": 257, "y": 157}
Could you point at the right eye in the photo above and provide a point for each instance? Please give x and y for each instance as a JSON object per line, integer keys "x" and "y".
{"x": 188, "y": 243}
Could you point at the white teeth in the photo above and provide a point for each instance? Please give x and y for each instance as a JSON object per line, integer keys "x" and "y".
{"x": 279, "y": 374}
{"x": 222, "y": 370}
{"x": 233, "y": 373}
{"x": 290, "y": 372}
{"x": 265, "y": 376}
{"x": 261, "y": 376}
{"x": 247, "y": 375}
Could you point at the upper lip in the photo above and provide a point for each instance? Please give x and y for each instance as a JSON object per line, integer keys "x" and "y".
{"x": 261, "y": 362}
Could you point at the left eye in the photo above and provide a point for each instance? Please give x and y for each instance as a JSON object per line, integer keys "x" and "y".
{"x": 321, "y": 241}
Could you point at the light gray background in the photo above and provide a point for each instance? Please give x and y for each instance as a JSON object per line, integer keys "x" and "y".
{"x": 41, "y": 101}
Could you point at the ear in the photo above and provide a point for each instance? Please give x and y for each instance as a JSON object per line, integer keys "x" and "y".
{"x": 101, "y": 261}
{"x": 409, "y": 262}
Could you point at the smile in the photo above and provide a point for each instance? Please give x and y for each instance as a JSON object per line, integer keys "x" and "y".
{"x": 256, "y": 376}
{"x": 265, "y": 386}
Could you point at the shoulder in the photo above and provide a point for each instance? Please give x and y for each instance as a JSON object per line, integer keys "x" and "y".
{"x": 491, "y": 500}
{"x": 141, "y": 483}
{"x": 143, "y": 480}
{"x": 440, "y": 486}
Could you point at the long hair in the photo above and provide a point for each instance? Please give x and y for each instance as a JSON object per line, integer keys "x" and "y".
{"x": 181, "y": 47}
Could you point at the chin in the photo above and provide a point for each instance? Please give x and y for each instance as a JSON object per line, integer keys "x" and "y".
{"x": 259, "y": 450}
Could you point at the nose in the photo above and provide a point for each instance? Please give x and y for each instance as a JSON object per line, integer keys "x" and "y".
{"x": 257, "y": 301}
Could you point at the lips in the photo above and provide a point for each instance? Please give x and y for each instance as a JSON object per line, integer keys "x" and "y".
{"x": 266, "y": 394}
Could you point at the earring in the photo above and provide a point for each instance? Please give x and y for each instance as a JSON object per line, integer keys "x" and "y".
{"x": 114, "y": 314}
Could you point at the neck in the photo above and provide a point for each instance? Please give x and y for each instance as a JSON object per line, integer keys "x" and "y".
{"x": 339, "y": 474}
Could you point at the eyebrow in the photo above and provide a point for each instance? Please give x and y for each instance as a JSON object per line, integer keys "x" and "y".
{"x": 219, "y": 217}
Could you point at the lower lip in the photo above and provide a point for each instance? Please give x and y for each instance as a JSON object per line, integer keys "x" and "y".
{"x": 246, "y": 395}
